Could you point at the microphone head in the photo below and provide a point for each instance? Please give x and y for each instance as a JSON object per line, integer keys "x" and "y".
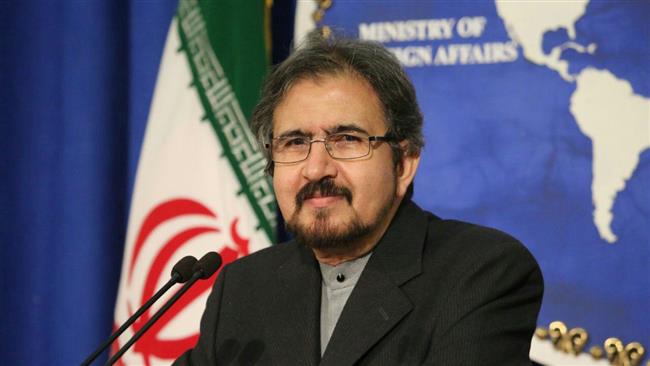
{"x": 207, "y": 265}
{"x": 184, "y": 268}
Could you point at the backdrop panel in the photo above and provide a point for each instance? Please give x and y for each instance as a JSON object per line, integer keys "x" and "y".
{"x": 537, "y": 123}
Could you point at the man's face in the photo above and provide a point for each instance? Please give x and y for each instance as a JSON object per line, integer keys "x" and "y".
{"x": 328, "y": 203}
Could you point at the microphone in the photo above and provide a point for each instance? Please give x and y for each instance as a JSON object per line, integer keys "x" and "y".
{"x": 207, "y": 265}
{"x": 183, "y": 269}
{"x": 202, "y": 269}
{"x": 181, "y": 273}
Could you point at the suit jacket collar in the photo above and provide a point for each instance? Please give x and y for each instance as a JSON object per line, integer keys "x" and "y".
{"x": 375, "y": 306}
{"x": 399, "y": 252}
{"x": 377, "y": 303}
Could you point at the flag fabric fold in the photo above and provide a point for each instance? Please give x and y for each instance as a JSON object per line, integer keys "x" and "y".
{"x": 200, "y": 184}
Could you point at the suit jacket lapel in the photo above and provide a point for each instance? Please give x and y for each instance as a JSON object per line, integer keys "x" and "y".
{"x": 377, "y": 303}
{"x": 295, "y": 312}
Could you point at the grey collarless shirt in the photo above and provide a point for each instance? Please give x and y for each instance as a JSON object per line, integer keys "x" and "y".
{"x": 336, "y": 286}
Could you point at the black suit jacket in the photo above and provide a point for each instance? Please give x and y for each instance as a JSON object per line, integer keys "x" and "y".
{"x": 434, "y": 291}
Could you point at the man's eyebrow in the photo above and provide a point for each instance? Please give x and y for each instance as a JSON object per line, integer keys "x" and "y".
{"x": 351, "y": 127}
{"x": 294, "y": 132}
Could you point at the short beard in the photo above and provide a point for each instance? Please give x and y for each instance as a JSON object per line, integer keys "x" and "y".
{"x": 321, "y": 234}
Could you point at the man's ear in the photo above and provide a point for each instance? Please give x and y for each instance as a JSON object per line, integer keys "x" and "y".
{"x": 406, "y": 170}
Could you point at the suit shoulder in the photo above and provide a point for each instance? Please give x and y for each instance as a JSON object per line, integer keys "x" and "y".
{"x": 272, "y": 256}
{"x": 478, "y": 260}
{"x": 461, "y": 230}
{"x": 471, "y": 241}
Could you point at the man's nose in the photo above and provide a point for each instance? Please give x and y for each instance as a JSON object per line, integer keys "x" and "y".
{"x": 319, "y": 163}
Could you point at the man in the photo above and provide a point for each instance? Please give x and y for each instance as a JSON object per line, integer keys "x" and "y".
{"x": 370, "y": 278}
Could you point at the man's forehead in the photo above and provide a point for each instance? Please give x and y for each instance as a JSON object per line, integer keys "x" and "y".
{"x": 327, "y": 104}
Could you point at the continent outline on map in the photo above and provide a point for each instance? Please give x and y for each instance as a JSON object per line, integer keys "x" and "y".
{"x": 605, "y": 107}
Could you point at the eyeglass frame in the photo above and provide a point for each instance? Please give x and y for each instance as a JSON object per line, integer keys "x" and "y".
{"x": 377, "y": 138}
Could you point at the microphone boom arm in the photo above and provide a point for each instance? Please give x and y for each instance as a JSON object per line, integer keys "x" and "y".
{"x": 195, "y": 277}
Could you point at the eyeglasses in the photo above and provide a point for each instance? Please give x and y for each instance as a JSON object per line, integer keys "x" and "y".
{"x": 340, "y": 146}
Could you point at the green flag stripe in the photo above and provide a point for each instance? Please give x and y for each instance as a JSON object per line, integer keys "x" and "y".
{"x": 223, "y": 111}
{"x": 236, "y": 30}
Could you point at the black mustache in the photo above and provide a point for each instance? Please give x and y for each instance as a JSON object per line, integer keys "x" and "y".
{"x": 326, "y": 187}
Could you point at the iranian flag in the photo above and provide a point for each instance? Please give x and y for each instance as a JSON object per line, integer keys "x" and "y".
{"x": 200, "y": 184}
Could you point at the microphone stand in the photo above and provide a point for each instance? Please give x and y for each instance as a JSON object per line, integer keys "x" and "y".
{"x": 132, "y": 319}
{"x": 195, "y": 277}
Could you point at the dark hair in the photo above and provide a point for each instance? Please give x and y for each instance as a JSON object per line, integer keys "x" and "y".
{"x": 320, "y": 56}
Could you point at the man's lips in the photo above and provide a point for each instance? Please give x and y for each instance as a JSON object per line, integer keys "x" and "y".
{"x": 320, "y": 201}
{"x": 322, "y": 193}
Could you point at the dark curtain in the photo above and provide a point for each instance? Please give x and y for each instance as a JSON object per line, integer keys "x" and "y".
{"x": 76, "y": 82}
